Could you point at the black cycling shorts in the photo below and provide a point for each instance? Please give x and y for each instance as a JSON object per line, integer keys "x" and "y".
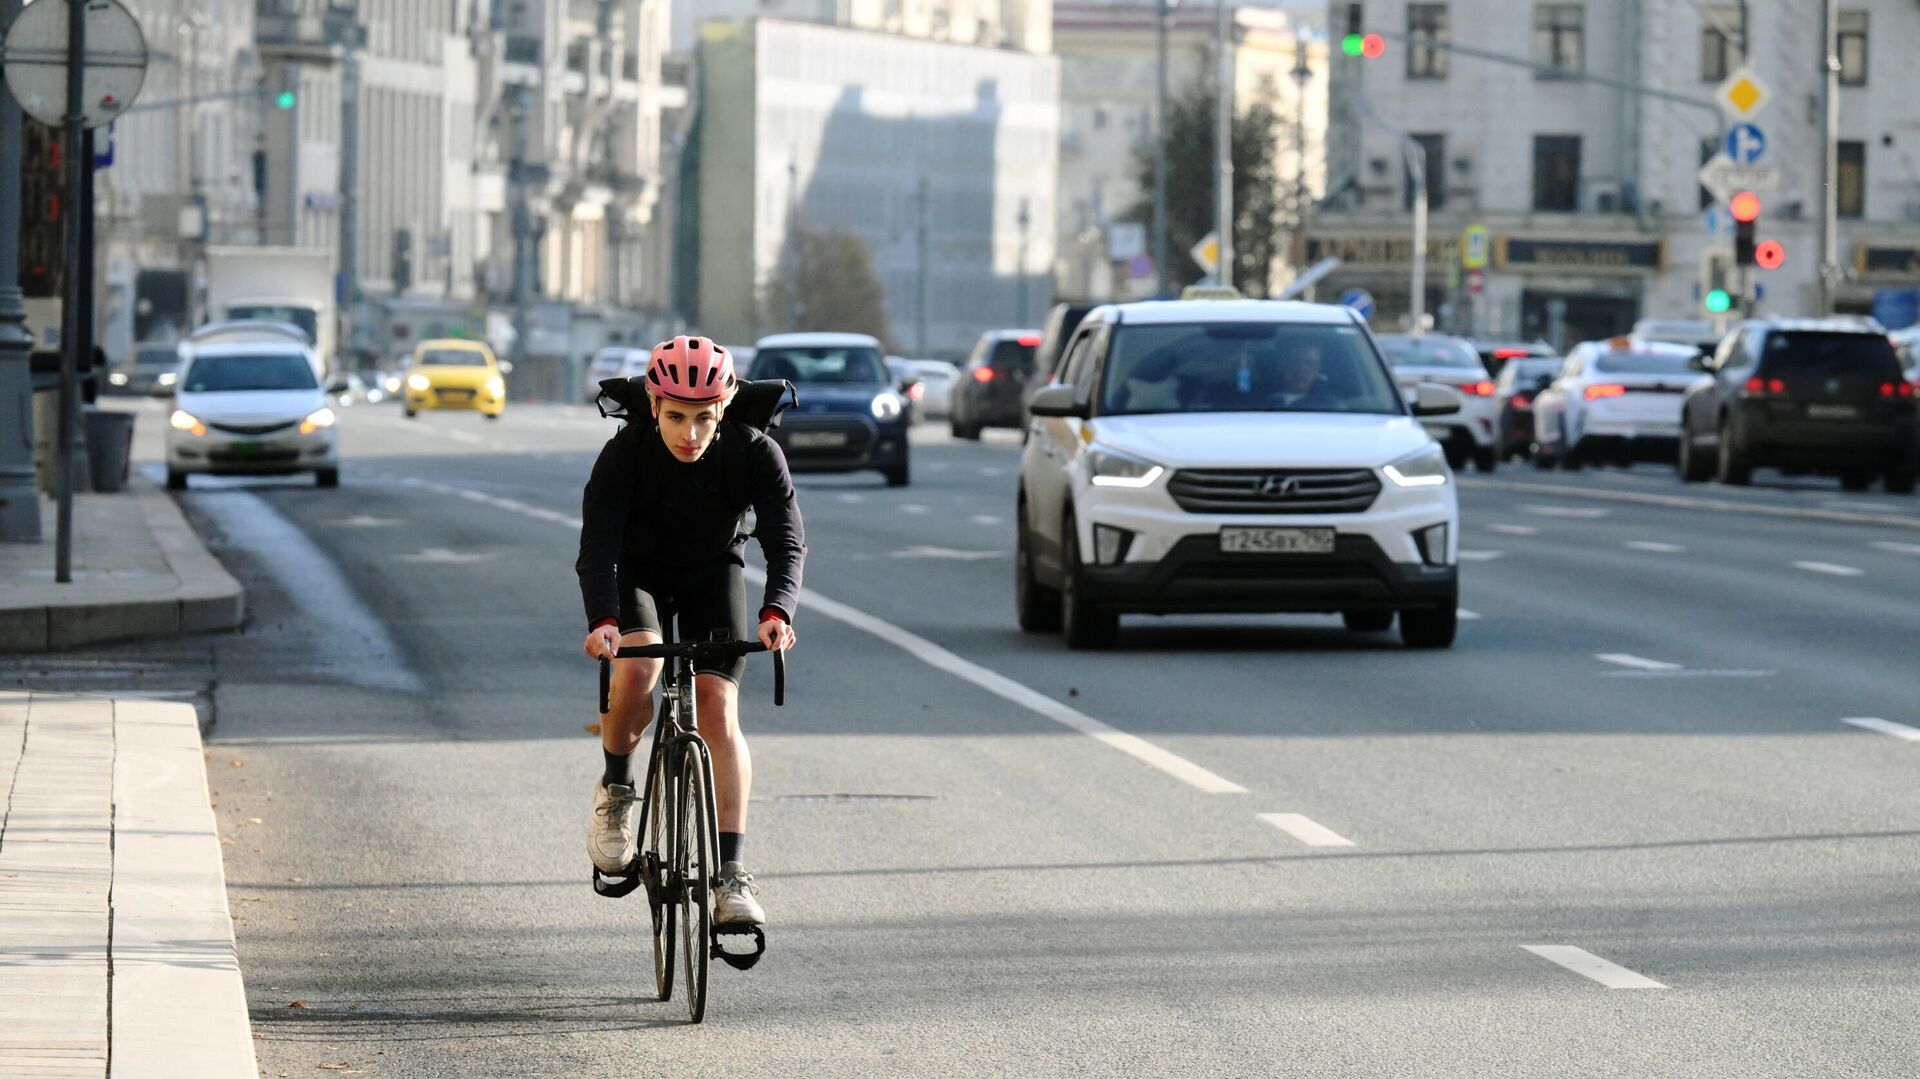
{"x": 702, "y": 600}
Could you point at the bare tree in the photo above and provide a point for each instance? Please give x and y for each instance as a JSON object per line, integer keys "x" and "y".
{"x": 825, "y": 281}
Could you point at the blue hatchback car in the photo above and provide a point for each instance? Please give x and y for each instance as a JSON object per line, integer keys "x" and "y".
{"x": 851, "y": 415}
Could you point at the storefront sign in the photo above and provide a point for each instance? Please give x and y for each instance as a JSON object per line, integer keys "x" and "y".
{"x": 1578, "y": 256}
{"x": 1378, "y": 252}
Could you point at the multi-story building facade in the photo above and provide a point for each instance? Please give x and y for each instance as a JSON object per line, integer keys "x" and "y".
{"x": 941, "y": 158}
{"x": 1022, "y": 25}
{"x": 1589, "y": 191}
{"x": 1108, "y": 71}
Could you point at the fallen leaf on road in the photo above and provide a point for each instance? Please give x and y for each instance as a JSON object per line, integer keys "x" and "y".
{"x": 236, "y": 764}
{"x": 593, "y": 728}
{"x": 1073, "y": 691}
{"x": 298, "y": 1004}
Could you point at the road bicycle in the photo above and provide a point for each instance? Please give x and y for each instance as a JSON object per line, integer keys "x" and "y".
{"x": 679, "y": 827}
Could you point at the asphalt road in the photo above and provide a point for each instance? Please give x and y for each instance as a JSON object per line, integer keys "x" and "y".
{"x": 1624, "y": 827}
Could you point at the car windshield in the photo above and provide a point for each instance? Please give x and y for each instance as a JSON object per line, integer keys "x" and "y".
{"x": 453, "y": 357}
{"x": 843, "y": 363}
{"x": 156, "y": 357}
{"x": 1643, "y": 363}
{"x": 1012, "y": 355}
{"x": 1813, "y": 352}
{"x": 302, "y": 317}
{"x": 221, "y": 374}
{"x": 1245, "y": 367}
{"x": 1429, "y": 351}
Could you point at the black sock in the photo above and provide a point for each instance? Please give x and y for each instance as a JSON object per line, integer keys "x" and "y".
{"x": 619, "y": 768}
{"x": 731, "y": 844}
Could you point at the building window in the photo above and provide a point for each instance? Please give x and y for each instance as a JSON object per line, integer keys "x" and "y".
{"x": 1556, "y": 173}
{"x": 1436, "y": 149}
{"x": 1426, "y": 41}
{"x": 1852, "y": 46}
{"x": 1850, "y": 183}
{"x": 1720, "y": 57}
{"x": 1559, "y": 36}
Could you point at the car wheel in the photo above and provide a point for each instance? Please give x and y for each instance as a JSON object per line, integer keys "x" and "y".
{"x": 1856, "y": 480}
{"x": 1456, "y": 457}
{"x": 1037, "y": 605}
{"x": 1900, "y": 481}
{"x": 897, "y": 475}
{"x": 176, "y": 480}
{"x": 1083, "y": 624}
{"x": 964, "y": 430}
{"x": 491, "y": 415}
{"x": 410, "y": 413}
{"x": 1693, "y": 466}
{"x": 1429, "y": 627}
{"x": 1486, "y": 459}
{"x": 1543, "y": 460}
{"x": 1367, "y": 621}
{"x": 327, "y": 477}
{"x": 1733, "y": 467}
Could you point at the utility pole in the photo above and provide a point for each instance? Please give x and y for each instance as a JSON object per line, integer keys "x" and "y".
{"x": 19, "y": 502}
{"x": 522, "y": 227}
{"x": 920, "y": 192}
{"x": 1223, "y": 140}
{"x": 73, "y": 334}
{"x": 1163, "y": 15}
{"x": 1020, "y": 270}
{"x": 1829, "y": 157}
{"x": 1302, "y": 75}
{"x": 347, "y": 296}
{"x": 1416, "y": 159}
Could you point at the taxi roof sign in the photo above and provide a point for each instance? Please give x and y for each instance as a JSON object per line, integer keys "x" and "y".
{"x": 1211, "y": 292}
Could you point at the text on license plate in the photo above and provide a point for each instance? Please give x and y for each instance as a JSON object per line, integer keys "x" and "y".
{"x": 802, "y": 440}
{"x": 245, "y": 449}
{"x": 1276, "y": 540}
{"x": 1832, "y": 412}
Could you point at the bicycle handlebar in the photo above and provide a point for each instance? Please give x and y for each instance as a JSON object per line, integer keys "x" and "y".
{"x": 696, "y": 650}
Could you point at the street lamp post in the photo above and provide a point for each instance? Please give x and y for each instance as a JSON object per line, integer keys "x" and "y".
{"x": 1162, "y": 17}
{"x": 1020, "y": 271}
{"x": 1223, "y": 140}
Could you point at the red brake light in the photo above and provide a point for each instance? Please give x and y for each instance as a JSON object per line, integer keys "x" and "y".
{"x": 1510, "y": 353}
{"x": 1595, "y": 393}
{"x": 916, "y": 391}
{"x": 983, "y": 374}
{"x": 1521, "y": 400}
{"x": 1775, "y": 385}
{"x": 1478, "y": 389}
{"x": 1758, "y": 386}
{"x": 1031, "y": 340}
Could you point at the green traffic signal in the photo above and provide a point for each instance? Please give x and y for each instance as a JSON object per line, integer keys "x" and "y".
{"x": 285, "y": 100}
{"x": 1718, "y": 302}
{"x": 1351, "y": 44}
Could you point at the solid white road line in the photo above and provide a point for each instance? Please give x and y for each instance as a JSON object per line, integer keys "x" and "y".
{"x": 985, "y": 519}
{"x": 1513, "y": 530}
{"x": 1310, "y": 832}
{"x": 1829, "y": 568}
{"x": 1655, "y": 548}
{"x": 935, "y": 656}
{"x": 850, "y": 498}
{"x": 1588, "y": 965}
{"x": 913, "y": 508}
{"x": 1638, "y": 663}
{"x": 1884, "y": 726}
{"x": 1480, "y": 556}
{"x": 1686, "y": 502}
{"x": 1897, "y": 548}
{"x": 1583, "y": 513}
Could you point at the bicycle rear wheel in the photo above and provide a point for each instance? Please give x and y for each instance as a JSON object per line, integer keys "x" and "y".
{"x": 697, "y": 839}
{"x": 657, "y": 863}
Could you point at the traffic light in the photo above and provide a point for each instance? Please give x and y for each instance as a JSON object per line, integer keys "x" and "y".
{"x": 1357, "y": 42}
{"x": 1716, "y": 280}
{"x": 289, "y": 94}
{"x": 285, "y": 99}
{"x": 1718, "y": 301}
{"x": 1769, "y": 254}
{"x": 1745, "y": 208}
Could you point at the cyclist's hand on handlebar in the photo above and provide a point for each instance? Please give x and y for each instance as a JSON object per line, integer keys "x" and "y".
{"x": 602, "y": 642}
{"x": 776, "y": 635}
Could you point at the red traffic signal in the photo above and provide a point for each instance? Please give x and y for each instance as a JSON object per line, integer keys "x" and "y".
{"x": 1373, "y": 46}
{"x": 1769, "y": 254}
{"x": 1744, "y": 206}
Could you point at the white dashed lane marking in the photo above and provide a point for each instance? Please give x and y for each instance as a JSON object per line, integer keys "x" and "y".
{"x": 914, "y": 508}
{"x": 1588, "y": 965}
{"x": 1638, "y": 663}
{"x": 985, "y": 519}
{"x": 1310, "y": 832}
{"x": 1886, "y": 726}
{"x": 1513, "y": 530}
{"x": 1480, "y": 556}
{"x": 1469, "y": 616}
{"x": 1829, "y": 569}
{"x": 1582, "y": 513}
{"x": 1896, "y": 548}
{"x": 1655, "y": 548}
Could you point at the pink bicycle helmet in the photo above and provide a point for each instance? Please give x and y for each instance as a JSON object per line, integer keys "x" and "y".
{"x": 691, "y": 370}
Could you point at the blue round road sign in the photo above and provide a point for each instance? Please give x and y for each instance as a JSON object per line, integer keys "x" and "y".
{"x": 1360, "y": 300}
{"x": 1746, "y": 143}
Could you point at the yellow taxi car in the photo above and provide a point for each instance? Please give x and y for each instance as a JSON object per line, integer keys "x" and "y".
{"x": 453, "y": 373}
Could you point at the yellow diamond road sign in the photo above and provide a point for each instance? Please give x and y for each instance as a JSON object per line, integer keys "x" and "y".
{"x": 1743, "y": 94}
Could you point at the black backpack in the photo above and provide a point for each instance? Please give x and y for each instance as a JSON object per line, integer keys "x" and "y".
{"x": 755, "y": 404}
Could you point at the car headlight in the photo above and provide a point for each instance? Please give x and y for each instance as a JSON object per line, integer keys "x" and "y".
{"x": 1111, "y": 468}
{"x": 1424, "y": 467}
{"x": 168, "y": 378}
{"x": 392, "y": 383}
{"x": 188, "y": 422}
{"x": 497, "y": 386}
{"x": 118, "y": 378}
{"x": 419, "y": 382}
{"x": 886, "y": 406}
{"x": 316, "y": 420}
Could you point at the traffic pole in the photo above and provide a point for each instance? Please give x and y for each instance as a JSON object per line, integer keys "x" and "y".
{"x": 19, "y": 500}
{"x": 70, "y": 332}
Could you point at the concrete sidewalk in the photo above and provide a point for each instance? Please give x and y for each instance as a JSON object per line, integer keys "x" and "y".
{"x": 116, "y": 947}
{"x": 138, "y": 571}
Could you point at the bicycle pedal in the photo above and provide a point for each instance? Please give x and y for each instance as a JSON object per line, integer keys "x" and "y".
{"x": 740, "y": 960}
{"x": 616, "y": 887}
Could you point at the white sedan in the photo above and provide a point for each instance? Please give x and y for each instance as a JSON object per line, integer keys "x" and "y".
{"x": 250, "y": 404}
{"x": 1615, "y": 400}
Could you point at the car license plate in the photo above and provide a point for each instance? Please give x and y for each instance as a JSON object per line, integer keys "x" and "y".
{"x": 1832, "y": 412}
{"x": 1276, "y": 540}
{"x": 807, "y": 440}
{"x": 245, "y": 449}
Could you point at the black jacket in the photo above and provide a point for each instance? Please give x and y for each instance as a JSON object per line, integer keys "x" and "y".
{"x": 648, "y": 511}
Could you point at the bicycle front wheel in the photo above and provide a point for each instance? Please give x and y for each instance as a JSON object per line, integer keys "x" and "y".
{"x": 657, "y": 864}
{"x": 698, "y": 838}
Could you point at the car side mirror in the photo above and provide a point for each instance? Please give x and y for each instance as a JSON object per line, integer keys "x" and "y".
{"x": 1700, "y": 363}
{"x": 1056, "y": 401}
{"x": 1431, "y": 400}
{"x": 339, "y": 385}
{"x": 506, "y": 367}
{"x": 907, "y": 384}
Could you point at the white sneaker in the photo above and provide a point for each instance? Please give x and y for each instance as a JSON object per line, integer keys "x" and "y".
{"x": 612, "y": 827}
{"x": 733, "y": 897}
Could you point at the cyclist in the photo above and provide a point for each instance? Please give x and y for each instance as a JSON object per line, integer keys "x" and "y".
{"x": 660, "y": 531}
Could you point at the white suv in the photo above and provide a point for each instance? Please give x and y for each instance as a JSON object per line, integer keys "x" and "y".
{"x": 1234, "y": 456}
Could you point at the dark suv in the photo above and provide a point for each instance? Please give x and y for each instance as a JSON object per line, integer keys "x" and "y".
{"x": 993, "y": 382}
{"x": 1824, "y": 396}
